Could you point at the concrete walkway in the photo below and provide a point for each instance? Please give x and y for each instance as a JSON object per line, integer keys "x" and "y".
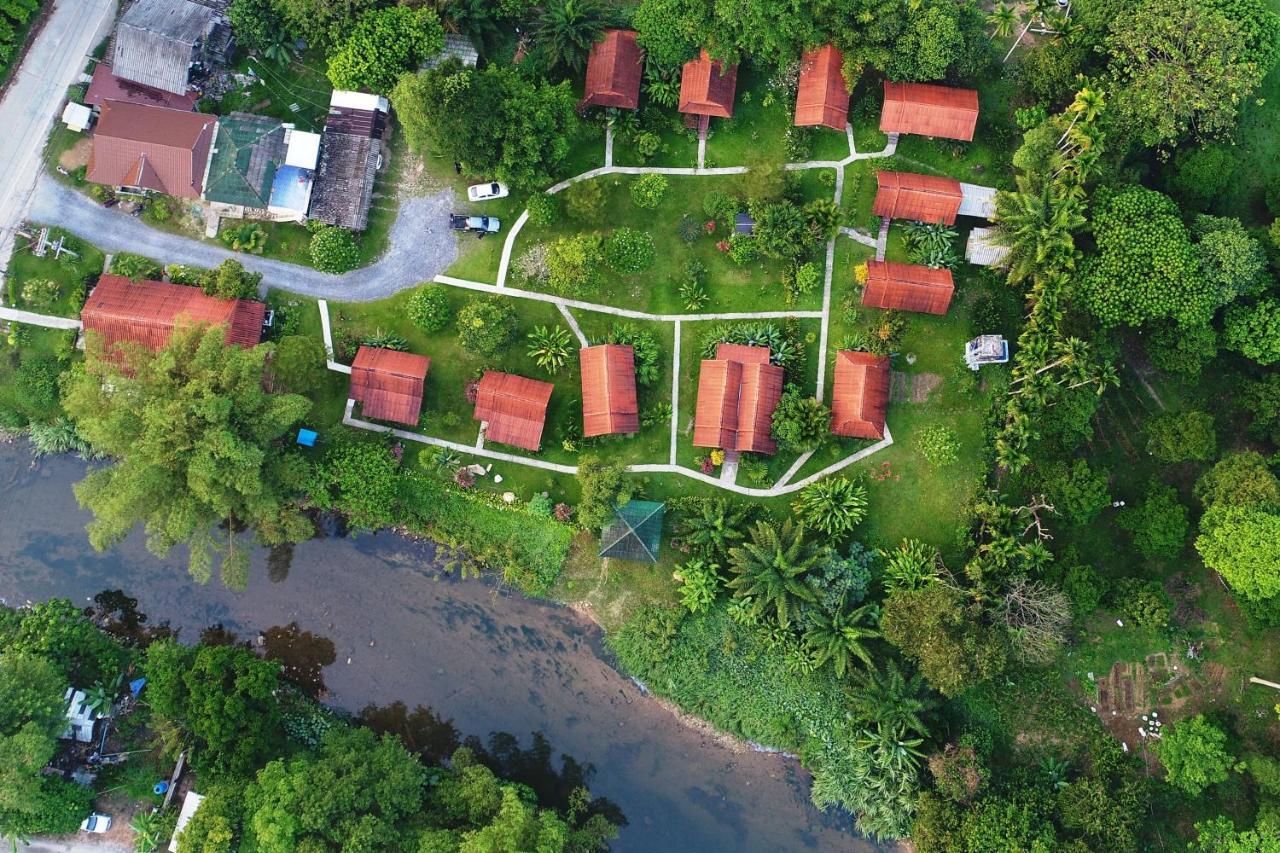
{"x": 573, "y": 325}
{"x": 859, "y": 236}
{"x": 31, "y": 319}
{"x": 421, "y": 245}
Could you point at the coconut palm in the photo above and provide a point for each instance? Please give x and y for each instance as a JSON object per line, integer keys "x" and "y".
{"x": 714, "y": 528}
{"x": 833, "y": 505}
{"x": 770, "y": 569}
{"x": 1002, "y": 20}
{"x": 839, "y": 637}
{"x": 549, "y": 347}
{"x": 1037, "y": 228}
{"x": 566, "y": 30}
{"x": 889, "y": 699}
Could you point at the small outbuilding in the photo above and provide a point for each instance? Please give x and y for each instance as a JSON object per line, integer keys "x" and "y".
{"x": 609, "y": 390}
{"x": 158, "y": 41}
{"x": 80, "y": 717}
{"x": 707, "y": 88}
{"x": 924, "y": 198}
{"x": 927, "y": 109}
{"x": 147, "y": 312}
{"x": 983, "y": 250}
{"x": 76, "y": 117}
{"x": 388, "y": 384}
{"x": 822, "y": 99}
{"x": 908, "y": 287}
{"x": 513, "y": 408}
{"x": 859, "y": 394}
{"x": 635, "y": 533}
{"x": 350, "y": 157}
{"x": 737, "y": 393}
{"x": 106, "y": 86}
{"x": 614, "y": 68}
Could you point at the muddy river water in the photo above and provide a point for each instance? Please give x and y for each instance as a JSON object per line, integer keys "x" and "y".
{"x": 404, "y": 629}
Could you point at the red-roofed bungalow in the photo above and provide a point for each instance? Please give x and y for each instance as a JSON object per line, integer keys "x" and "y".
{"x": 707, "y": 89}
{"x": 823, "y": 97}
{"x": 513, "y": 407}
{"x": 925, "y": 198}
{"x": 609, "y": 390}
{"x": 908, "y": 287}
{"x": 860, "y": 394}
{"x": 614, "y": 68}
{"x": 737, "y": 393}
{"x": 147, "y": 312}
{"x": 927, "y": 109}
{"x": 388, "y": 384}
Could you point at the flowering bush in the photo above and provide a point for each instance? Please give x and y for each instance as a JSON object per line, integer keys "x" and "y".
{"x": 563, "y": 512}
{"x": 648, "y": 191}
{"x": 628, "y": 250}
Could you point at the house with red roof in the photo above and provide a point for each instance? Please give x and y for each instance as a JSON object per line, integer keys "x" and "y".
{"x": 927, "y": 109}
{"x": 822, "y": 99}
{"x": 147, "y": 312}
{"x": 389, "y": 384}
{"x": 142, "y": 147}
{"x": 513, "y": 408}
{"x": 614, "y": 68}
{"x": 609, "y": 390}
{"x": 924, "y": 198}
{"x": 908, "y": 287}
{"x": 859, "y": 394}
{"x": 707, "y": 89}
{"x": 737, "y": 393}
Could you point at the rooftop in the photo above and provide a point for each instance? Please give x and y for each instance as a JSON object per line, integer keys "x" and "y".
{"x": 908, "y": 287}
{"x": 609, "y": 390}
{"x": 151, "y": 147}
{"x": 389, "y": 384}
{"x": 155, "y": 42}
{"x": 147, "y": 312}
{"x": 514, "y": 407}
{"x": 928, "y": 109}
{"x": 706, "y": 88}
{"x": 737, "y": 393}
{"x": 823, "y": 96}
{"x": 246, "y": 153}
{"x": 614, "y": 69}
{"x": 859, "y": 394}
{"x": 926, "y": 198}
{"x": 105, "y": 86}
{"x": 635, "y": 533}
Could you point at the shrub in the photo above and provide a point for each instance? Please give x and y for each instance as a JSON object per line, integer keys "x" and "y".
{"x": 807, "y": 278}
{"x": 134, "y": 267}
{"x": 1085, "y": 587}
{"x": 1158, "y": 523}
{"x": 574, "y": 264}
{"x": 543, "y": 209}
{"x": 1184, "y": 350}
{"x": 428, "y": 308}
{"x": 833, "y": 506}
{"x": 600, "y": 484}
{"x": 644, "y": 345}
{"x": 1254, "y": 330}
{"x": 532, "y": 267}
{"x": 700, "y": 582}
{"x": 245, "y": 237}
{"x": 1078, "y": 492}
{"x": 1201, "y": 174}
{"x": 647, "y": 144}
{"x": 689, "y": 229}
{"x": 549, "y": 347}
{"x": 230, "y": 280}
{"x": 743, "y": 249}
{"x": 486, "y": 326}
{"x": 584, "y": 201}
{"x": 1142, "y": 602}
{"x": 800, "y": 422}
{"x": 541, "y": 505}
{"x": 39, "y": 292}
{"x": 939, "y": 445}
{"x": 1182, "y": 437}
{"x": 720, "y": 207}
{"x": 334, "y": 250}
{"x": 628, "y": 250}
{"x": 648, "y": 191}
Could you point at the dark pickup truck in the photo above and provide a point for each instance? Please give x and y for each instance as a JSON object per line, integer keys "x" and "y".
{"x": 479, "y": 225}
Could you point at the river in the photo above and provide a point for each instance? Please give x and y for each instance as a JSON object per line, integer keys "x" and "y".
{"x": 491, "y": 660}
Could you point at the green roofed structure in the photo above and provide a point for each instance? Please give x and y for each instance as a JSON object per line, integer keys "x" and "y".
{"x": 635, "y": 532}
{"x": 247, "y": 150}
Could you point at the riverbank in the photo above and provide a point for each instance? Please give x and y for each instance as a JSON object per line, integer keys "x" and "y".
{"x": 489, "y": 659}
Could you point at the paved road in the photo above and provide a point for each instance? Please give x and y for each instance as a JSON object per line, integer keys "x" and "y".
{"x": 422, "y": 245}
{"x": 35, "y": 98}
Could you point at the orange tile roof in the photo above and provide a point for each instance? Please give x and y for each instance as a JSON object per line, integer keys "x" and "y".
{"x": 147, "y": 312}
{"x": 737, "y": 393}
{"x": 151, "y": 147}
{"x": 929, "y": 110}
{"x": 823, "y": 96}
{"x": 908, "y": 287}
{"x": 515, "y": 408}
{"x": 609, "y": 390}
{"x": 706, "y": 89}
{"x": 927, "y": 198}
{"x": 388, "y": 384}
{"x": 859, "y": 394}
{"x": 614, "y": 68}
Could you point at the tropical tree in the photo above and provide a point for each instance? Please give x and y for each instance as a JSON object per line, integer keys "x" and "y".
{"x": 887, "y": 698}
{"x": 567, "y": 29}
{"x": 833, "y": 505}
{"x": 839, "y": 637}
{"x": 912, "y": 565}
{"x": 770, "y": 569}
{"x": 1194, "y": 754}
{"x": 713, "y": 528}
{"x": 1037, "y": 226}
{"x": 549, "y": 347}
{"x": 383, "y": 44}
{"x": 1088, "y": 105}
{"x": 1002, "y": 20}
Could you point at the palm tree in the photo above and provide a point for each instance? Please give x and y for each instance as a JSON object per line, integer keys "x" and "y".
{"x": 889, "y": 699}
{"x": 279, "y": 48}
{"x": 912, "y": 565}
{"x": 473, "y": 18}
{"x": 1088, "y": 105}
{"x": 102, "y": 695}
{"x": 832, "y": 506}
{"x": 549, "y": 347}
{"x": 146, "y": 826}
{"x": 567, "y": 29}
{"x": 839, "y": 637}
{"x": 1037, "y": 227}
{"x": 716, "y": 527}
{"x": 771, "y": 567}
{"x": 1002, "y": 21}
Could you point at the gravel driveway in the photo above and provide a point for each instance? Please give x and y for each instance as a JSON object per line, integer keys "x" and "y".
{"x": 422, "y": 246}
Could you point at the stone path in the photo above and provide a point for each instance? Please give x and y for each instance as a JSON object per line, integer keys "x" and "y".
{"x": 859, "y": 236}
{"x": 573, "y": 324}
{"x": 32, "y": 319}
{"x": 882, "y": 241}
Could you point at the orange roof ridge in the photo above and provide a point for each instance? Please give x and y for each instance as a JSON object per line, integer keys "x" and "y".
{"x": 928, "y": 109}
{"x": 859, "y": 394}
{"x": 822, "y": 97}
{"x": 608, "y": 390}
{"x": 147, "y": 312}
{"x": 706, "y": 88}
{"x": 908, "y": 287}
{"x": 389, "y": 384}
{"x": 614, "y": 68}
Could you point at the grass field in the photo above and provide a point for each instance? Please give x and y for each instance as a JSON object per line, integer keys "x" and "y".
{"x": 70, "y": 275}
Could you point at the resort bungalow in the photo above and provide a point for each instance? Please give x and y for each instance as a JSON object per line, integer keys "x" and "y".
{"x": 143, "y": 148}
{"x": 908, "y": 287}
{"x": 707, "y": 91}
{"x": 388, "y": 384}
{"x": 860, "y": 394}
{"x": 614, "y": 69}
{"x": 609, "y": 390}
{"x": 119, "y": 310}
{"x": 737, "y": 393}
{"x": 822, "y": 99}
{"x": 927, "y": 109}
{"x": 350, "y": 156}
{"x": 512, "y": 409}
{"x": 924, "y": 198}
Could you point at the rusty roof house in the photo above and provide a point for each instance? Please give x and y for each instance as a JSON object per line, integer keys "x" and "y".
{"x": 388, "y": 384}
{"x": 158, "y": 41}
{"x": 614, "y": 69}
{"x": 706, "y": 91}
{"x": 908, "y": 287}
{"x": 513, "y": 408}
{"x": 609, "y": 390}
{"x": 924, "y": 198}
{"x": 151, "y": 148}
{"x": 928, "y": 109}
{"x": 737, "y": 393}
{"x": 822, "y": 99}
{"x": 350, "y": 156}
{"x": 105, "y": 86}
{"x": 859, "y": 394}
{"x": 147, "y": 312}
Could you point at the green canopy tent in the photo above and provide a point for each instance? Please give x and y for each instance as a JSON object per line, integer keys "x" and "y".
{"x": 635, "y": 532}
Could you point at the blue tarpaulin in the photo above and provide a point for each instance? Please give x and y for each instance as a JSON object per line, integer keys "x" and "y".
{"x": 307, "y": 437}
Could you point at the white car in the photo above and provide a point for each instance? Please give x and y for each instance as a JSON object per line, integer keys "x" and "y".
{"x": 487, "y": 192}
{"x": 96, "y": 823}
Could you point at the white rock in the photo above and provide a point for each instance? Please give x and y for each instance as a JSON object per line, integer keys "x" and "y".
{"x": 1118, "y": 622}
{"x": 508, "y": 497}
{"x": 497, "y": 478}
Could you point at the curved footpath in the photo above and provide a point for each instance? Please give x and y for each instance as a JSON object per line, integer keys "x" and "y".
{"x": 421, "y": 245}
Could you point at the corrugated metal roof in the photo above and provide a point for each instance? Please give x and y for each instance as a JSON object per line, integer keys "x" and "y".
{"x": 151, "y": 147}
{"x": 147, "y": 312}
{"x": 927, "y": 198}
{"x": 343, "y": 188}
{"x": 456, "y": 46}
{"x": 156, "y": 41}
{"x": 105, "y": 86}
{"x": 908, "y": 287}
{"x": 609, "y": 390}
{"x": 823, "y": 96}
{"x": 247, "y": 150}
{"x": 929, "y": 110}
{"x": 388, "y": 384}
{"x": 614, "y": 68}
{"x": 978, "y": 201}
{"x": 983, "y": 250}
{"x": 736, "y": 400}
{"x": 515, "y": 408}
{"x": 859, "y": 394}
{"x": 706, "y": 88}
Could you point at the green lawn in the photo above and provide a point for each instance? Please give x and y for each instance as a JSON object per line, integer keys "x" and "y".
{"x": 71, "y": 275}
{"x": 757, "y": 131}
